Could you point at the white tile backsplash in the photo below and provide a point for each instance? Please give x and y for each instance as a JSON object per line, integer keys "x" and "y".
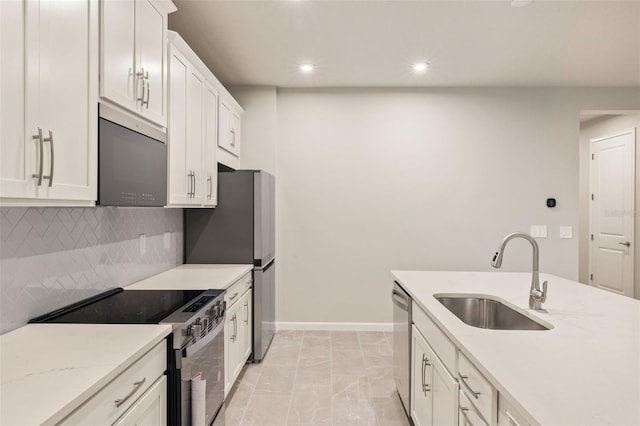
{"x": 51, "y": 257}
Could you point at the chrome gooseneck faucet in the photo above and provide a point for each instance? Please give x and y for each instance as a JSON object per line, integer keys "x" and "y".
{"x": 536, "y": 296}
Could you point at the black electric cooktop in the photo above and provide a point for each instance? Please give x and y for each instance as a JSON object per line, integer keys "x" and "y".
{"x": 118, "y": 306}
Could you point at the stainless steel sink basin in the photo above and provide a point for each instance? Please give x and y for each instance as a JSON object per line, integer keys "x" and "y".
{"x": 482, "y": 312}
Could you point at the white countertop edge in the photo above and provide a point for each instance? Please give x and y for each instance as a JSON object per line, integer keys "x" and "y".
{"x": 200, "y": 277}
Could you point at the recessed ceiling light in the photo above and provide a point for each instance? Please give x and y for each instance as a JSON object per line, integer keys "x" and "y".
{"x": 420, "y": 67}
{"x": 306, "y": 68}
{"x": 520, "y": 3}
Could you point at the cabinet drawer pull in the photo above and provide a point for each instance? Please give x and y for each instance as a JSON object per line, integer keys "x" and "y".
{"x": 233, "y": 137}
{"x": 136, "y": 386}
{"x": 466, "y": 420}
{"x": 146, "y": 79}
{"x": 38, "y": 137}
{"x": 140, "y": 76}
{"x": 425, "y": 363}
{"x": 210, "y": 187}
{"x": 246, "y": 313}
{"x": 234, "y": 296}
{"x": 466, "y": 385}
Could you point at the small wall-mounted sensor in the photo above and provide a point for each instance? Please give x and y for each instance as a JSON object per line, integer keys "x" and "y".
{"x": 551, "y": 202}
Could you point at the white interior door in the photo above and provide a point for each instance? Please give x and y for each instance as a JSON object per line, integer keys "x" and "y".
{"x": 612, "y": 212}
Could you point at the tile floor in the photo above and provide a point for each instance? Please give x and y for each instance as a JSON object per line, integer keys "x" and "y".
{"x": 337, "y": 378}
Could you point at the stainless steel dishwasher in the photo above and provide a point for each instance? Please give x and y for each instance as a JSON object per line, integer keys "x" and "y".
{"x": 402, "y": 344}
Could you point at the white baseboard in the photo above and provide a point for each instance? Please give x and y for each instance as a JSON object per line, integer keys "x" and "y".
{"x": 335, "y": 326}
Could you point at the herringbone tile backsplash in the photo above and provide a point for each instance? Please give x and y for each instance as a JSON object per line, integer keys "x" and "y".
{"x": 51, "y": 257}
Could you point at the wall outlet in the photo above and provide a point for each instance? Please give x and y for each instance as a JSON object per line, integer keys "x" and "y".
{"x": 538, "y": 231}
{"x": 143, "y": 244}
{"x": 167, "y": 240}
{"x": 566, "y": 232}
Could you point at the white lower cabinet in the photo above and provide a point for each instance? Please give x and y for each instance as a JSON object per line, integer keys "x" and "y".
{"x": 238, "y": 329}
{"x": 468, "y": 415}
{"x": 150, "y": 409}
{"x": 434, "y": 392}
{"x": 508, "y": 414}
{"x": 137, "y": 396}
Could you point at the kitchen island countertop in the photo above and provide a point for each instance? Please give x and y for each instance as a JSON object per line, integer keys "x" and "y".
{"x": 584, "y": 371}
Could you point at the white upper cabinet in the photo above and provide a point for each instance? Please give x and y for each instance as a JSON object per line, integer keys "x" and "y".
{"x": 229, "y": 132}
{"x": 193, "y": 106}
{"x": 48, "y": 115}
{"x": 133, "y": 56}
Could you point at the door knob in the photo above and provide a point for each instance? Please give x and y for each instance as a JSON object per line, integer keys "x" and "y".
{"x": 627, "y": 243}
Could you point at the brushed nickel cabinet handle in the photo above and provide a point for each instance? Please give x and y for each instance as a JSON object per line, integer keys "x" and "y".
{"x": 246, "y": 312}
{"x": 233, "y": 137}
{"x": 136, "y": 387}
{"x": 194, "y": 184}
{"x": 140, "y": 76}
{"x": 210, "y": 187}
{"x": 38, "y": 175}
{"x": 146, "y": 79}
{"x": 51, "y": 161}
{"x": 466, "y": 385}
{"x": 628, "y": 244}
{"x": 466, "y": 420}
{"x": 234, "y": 296}
{"x": 425, "y": 363}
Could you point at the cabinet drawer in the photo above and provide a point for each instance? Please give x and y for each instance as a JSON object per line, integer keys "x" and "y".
{"x": 237, "y": 289}
{"x": 508, "y": 415}
{"x": 477, "y": 388}
{"x": 467, "y": 413}
{"x": 440, "y": 343}
{"x": 133, "y": 382}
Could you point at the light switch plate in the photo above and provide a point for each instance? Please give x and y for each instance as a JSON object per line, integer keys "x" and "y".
{"x": 167, "y": 240}
{"x": 538, "y": 231}
{"x": 143, "y": 244}
{"x": 566, "y": 232}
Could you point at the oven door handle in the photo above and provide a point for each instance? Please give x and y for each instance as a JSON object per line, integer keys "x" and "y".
{"x": 190, "y": 350}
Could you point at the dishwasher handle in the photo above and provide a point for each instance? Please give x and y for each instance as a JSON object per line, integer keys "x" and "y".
{"x": 400, "y": 300}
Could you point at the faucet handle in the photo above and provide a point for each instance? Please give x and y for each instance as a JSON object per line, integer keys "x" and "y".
{"x": 544, "y": 292}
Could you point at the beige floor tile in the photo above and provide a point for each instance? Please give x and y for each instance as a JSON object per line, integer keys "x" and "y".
{"x": 381, "y": 381}
{"x": 314, "y": 371}
{"x": 283, "y": 355}
{"x": 251, "y": 373}
{"x": 317, "y": 333}
{"x": 310, "y": 405}
{"x": 345, "y": 340}
{"x": 267, "y": 410}
{"x": 347, "y": 362}
{"x": 389, "y": 411}
{"x": 233, "y": 416}
{"x": 348, "y": 390}
{"x": 373, "y": 361}
{"x": 239, "y": 395}
{"x": 372, "y": 337}
{"x": 287, "y": 338}
{"x": 360, "y": 414}
{"x": 315, "y": 346}
{"x": 376, "y": 349}
{"x": 276, "y": 380}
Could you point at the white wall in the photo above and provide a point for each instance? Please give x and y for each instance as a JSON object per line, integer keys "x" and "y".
{"x": 599, "y": 127}
{"x": 259, "y": 131}
{"x": 372, "y": 180}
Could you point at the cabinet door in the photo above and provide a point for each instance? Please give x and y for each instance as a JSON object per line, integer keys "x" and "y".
{"x": 150, "y": 27}
{"x": 150, "y": 409}
{"x": 235, "y": 132}
{"x": 195, "y": 110}
{"x": 224, "y": 126}
{"x": 434, "y": 392}
{"x": 61, "y": 95}
{"x": 118, "y": 81}
{"x": 246, "y": 326}
{"x": 231, "y": 352}
{"x": 421, "y": 381}
{"x": 180, "y": 181}
{"x": 17, "y": 150}
{"x": 210, "y": 165}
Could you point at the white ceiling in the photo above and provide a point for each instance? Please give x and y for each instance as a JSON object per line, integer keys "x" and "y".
{"x": 374, "y": 43}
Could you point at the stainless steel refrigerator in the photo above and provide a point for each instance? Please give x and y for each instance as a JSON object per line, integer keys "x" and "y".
{"x": 241, "y": 229}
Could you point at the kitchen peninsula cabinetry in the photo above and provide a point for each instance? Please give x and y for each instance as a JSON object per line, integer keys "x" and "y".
{"x": 237, "y": 329}
{"x": 133, "y": 56}
{"x": 48, "y": 113}
{"x": 434, "y": 391}
{"x": 193, "y": 108}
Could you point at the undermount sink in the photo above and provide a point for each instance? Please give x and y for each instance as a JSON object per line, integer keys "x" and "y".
{"x": 483, "y": 312}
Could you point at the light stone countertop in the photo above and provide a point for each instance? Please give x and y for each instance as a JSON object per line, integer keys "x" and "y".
{"x": 584, "y": 371}
{"x": 193, "y": 277}
{"x": 48, "y": 370}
